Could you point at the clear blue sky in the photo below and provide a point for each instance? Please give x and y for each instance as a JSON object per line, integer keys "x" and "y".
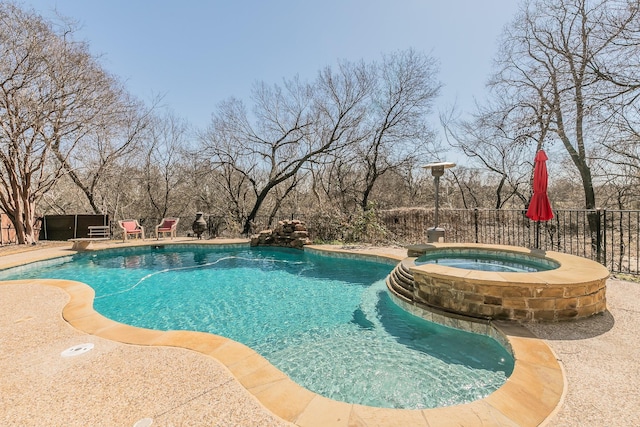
{"x": 198, "y": 53}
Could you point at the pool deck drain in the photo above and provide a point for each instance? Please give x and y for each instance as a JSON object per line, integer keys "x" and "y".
{"x": 77, "y": 350}
{"x": 224, "y": 382}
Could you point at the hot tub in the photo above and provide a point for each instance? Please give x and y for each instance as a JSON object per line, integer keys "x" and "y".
{"x": 498, "y": 282}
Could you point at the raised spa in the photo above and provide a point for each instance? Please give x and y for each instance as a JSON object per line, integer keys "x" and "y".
{"x": 496, "y": 282}
{"x": 483, "y": 260}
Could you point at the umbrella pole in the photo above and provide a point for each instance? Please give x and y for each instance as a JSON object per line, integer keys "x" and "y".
{"x": 537, "y": 234}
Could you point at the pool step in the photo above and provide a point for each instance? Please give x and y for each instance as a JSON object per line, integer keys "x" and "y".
{"x": 405, "y": 273}
{"x": 401, "y": 281}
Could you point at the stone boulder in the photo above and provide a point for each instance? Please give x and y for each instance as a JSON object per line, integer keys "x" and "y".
{"x": 287, "y": 233}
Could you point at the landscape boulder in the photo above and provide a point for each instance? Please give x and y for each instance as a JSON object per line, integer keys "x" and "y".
{"x": 288, "y": 233}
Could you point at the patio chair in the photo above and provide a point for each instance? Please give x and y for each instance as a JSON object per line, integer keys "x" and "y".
{"x": 131, "y": 227}
{"x": 168, "y": 225}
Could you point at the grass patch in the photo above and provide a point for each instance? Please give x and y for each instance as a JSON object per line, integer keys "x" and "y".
{"x": 627, "y": 277}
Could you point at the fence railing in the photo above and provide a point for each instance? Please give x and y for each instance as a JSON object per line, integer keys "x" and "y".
{"x": 610, "y": 237}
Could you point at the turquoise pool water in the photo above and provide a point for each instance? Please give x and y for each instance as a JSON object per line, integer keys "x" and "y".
{"x": 486, "y": 261}
{"x": 327, "y": 322}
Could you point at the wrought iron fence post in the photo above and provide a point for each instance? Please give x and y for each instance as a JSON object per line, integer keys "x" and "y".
{"x": 604, "y": 237}
{"x": 599, "y": 235}
{"x": 475, "y": 222}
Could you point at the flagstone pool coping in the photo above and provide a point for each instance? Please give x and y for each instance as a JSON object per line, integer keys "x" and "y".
{"x": 530, "y": 395}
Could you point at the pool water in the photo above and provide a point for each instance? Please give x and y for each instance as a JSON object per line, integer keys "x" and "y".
{"x": 486, "y": 262}
{"x": 327, "y": 322}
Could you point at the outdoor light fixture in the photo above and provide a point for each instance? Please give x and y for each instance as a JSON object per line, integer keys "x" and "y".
{"x": 436, "y": 234}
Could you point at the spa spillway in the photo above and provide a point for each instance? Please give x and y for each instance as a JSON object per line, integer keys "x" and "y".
{"x": 496, "y": 282}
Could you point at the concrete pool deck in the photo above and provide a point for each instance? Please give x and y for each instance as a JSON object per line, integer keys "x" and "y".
{"x": 120, "y": 384}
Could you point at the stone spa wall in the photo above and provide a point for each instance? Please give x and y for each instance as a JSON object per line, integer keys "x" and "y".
{"x": 576, "y": 289}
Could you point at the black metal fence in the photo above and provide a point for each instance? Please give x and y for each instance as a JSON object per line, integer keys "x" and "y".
{"x": 610, "y": 237}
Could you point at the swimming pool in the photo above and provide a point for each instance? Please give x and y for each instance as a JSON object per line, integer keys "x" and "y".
{"x": 326, "y": 322}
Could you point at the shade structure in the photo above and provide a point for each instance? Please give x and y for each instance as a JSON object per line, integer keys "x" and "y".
{"x": 539, "y": 206}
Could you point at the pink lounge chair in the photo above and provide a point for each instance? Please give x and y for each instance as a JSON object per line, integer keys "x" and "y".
{"x": 168, "y": 225}
{"x": 131, "y": 227}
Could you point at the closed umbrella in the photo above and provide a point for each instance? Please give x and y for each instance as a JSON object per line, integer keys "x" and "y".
{"x": 539, "y": 206}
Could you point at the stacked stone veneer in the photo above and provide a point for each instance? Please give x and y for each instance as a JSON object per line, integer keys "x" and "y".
{"x": 288, "y": 233}
{"x": 569, "y": 292}
{"x": 526, "y": 302}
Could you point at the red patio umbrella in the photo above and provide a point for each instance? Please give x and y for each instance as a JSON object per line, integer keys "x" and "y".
{"x": 539, "y": 206}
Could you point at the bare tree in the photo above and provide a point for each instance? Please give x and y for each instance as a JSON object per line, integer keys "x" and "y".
{"x": 618, "y": 68}
{"x": 292, "y": 126}
{"x": 404, "y": 88}
{"x": 491, "y": 142}
{"x": 336, "y": 178}
{"x": 551, "y": 85}
{"x": 354, "y": 124}
{"x": 548, "y": 59}
{"x": 394, "y": 134}
{"x": 99, "y": 147}
{"x": 165, "y": 180}
{"x": 50, "y": 87}
{"x": 27, "y": 171}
